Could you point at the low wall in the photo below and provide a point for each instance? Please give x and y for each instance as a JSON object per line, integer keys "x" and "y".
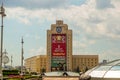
{"x": 60, "y": 78}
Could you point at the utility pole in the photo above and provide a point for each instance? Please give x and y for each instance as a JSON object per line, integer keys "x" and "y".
{"x": 2, "y": 13}
{"x": 22, "y": 58}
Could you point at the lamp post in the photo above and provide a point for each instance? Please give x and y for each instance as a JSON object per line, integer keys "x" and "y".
{"x": 2, "y": 13}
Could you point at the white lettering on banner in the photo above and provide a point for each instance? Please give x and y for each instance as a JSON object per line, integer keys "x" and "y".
{"x": 59, "y": 49}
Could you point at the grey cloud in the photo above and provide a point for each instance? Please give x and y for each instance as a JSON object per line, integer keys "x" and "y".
{"x": 115, "y": 30}
{"x": 103, "y": 4}
{"x": 95, "y": 20}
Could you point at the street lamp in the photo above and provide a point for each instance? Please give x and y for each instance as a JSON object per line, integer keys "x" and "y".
{"x": 2, "y": 13}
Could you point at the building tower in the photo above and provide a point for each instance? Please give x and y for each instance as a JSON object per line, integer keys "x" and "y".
{"x": 59, "y": 47}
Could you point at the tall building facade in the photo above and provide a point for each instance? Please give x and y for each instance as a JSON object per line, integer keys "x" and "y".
{"x": 59, "y": 47}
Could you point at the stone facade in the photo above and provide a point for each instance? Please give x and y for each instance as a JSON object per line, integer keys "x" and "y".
{"x": 37, "y": 63}
{"x": 68, "y": 33}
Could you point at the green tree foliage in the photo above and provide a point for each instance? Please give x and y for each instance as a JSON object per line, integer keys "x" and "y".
{"x": 10, "y": 72}
{"x": 43, "y": 70}
{"x": 78, "y": 69}
{"x": 86, "y": 69}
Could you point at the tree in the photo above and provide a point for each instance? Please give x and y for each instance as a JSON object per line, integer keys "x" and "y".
{"x": 62, "y": 66}
{"x": 78, "y": 69}
{"x": 86, "y": 69}
{"x": 43, "y": 70}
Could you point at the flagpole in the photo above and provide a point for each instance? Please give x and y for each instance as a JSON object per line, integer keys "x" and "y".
{"x": 22, "y": 42}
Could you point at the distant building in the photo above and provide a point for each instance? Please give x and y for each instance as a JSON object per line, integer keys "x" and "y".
{"x": 84, "y": 61}
{"x": 59, "y": 53}
{"x": 104, "y": 61}
{"x": 36, "y": 63}
{"x": 39, "y": 63}
{"x": 7, "y": 67}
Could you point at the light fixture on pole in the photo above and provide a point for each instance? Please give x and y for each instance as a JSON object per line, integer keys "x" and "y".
{"x": 5, "y": 58}
{"x": 2, "y": 13}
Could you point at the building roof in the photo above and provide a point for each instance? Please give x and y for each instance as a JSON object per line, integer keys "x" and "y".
{"x": 60, "y": 73}
{"x": 85, "y": 55}
{"x": 107, "y": 70}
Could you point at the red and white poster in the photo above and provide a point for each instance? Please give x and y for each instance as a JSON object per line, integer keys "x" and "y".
{"x": 58, "y": 47}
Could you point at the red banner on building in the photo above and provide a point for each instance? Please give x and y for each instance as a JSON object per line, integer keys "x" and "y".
{"x": 58, "y": 45}
{"x": 58, "y": 49}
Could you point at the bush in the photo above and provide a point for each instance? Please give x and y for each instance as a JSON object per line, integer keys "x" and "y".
{"x": 33, "y": 73}
{"x": 10, "y": 72}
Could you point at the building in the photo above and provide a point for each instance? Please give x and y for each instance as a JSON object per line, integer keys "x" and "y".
{"x": 36, "y": 63}
{"x": 59, "y": 53}
{"x": 59, "y": 47}
{"x": 83, "y": 62}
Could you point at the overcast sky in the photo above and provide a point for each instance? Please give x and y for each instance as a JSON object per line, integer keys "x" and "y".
{"x": 95, "y": 25}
